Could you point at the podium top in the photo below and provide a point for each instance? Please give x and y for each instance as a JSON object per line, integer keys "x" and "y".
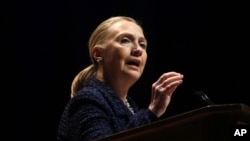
{"x": 239, "y": 109}
{"x": 210, "y": 117}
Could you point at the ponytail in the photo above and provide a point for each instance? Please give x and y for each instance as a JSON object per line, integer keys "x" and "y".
{"x": 81, "y": 78}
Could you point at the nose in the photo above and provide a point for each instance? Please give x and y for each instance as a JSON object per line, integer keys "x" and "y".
{"x": 137, "y": 51}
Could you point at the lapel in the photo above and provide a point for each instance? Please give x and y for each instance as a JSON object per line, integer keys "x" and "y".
{"x": 112, "y": 99}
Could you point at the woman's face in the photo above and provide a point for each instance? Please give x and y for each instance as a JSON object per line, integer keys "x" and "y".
{"x": 125, "y": 52}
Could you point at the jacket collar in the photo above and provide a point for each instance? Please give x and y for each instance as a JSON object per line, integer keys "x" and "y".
{"x": 115, "y": 102}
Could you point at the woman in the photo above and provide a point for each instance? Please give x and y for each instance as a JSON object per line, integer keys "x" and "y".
{"x": 99, "y": 104}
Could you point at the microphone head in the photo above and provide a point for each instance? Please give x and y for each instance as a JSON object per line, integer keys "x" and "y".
{"x": 203, "y": 98}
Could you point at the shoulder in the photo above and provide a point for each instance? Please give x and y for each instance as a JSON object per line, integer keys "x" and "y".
{"x": 88, "y": 95}
{"x": 86, "y": 101}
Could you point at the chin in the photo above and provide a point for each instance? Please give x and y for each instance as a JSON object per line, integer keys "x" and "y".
{"x": 135, "y": 76}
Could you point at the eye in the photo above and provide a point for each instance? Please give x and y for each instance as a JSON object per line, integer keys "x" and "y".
{"x": 125, "y": 40}
{"x": 143, "y": 45}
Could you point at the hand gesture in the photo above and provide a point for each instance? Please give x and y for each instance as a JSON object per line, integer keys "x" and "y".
{"x": 162, "y": 91}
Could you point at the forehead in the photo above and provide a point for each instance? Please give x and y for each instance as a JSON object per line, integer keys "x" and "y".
{"x": 126, "y": 27}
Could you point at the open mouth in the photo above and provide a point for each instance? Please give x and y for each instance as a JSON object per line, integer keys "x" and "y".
{"x": 134, "y": 63}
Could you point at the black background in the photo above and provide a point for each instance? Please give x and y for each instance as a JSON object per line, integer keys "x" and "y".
{"x": 44, "y": 45}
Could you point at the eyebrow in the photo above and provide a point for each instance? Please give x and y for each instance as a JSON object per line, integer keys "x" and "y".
{"x": 131, "y": 35}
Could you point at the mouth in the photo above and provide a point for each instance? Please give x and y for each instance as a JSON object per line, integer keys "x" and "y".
{"x": 134, "y": 62}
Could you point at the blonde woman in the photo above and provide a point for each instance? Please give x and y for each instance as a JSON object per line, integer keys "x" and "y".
{"x": 99, "y": 104}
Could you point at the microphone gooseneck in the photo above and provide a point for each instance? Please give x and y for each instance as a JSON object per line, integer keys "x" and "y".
{"x": 202, "y": 97}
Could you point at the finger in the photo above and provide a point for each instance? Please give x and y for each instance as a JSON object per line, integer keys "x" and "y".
{"x": 165, "y": 82}
{"x": 165, "y": 86}
{"x": 164, "y": 77}
{"x": 169, "y": 89}
{"x": 167, "y": 75}
{"x": 171, "y": 81}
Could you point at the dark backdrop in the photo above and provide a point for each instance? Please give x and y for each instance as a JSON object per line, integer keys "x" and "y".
{"x": 44, "y": 45}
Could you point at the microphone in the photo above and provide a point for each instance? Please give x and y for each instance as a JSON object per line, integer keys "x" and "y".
{"x": 203, "y": 98}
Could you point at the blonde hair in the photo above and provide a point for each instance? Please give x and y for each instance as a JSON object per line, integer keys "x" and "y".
{"x": 98, "y": 37}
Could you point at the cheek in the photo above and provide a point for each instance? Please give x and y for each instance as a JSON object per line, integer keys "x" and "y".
{"x": 121, "y": 53}
{"x": 144, "y": 58}
{"x": 117, "y": 55}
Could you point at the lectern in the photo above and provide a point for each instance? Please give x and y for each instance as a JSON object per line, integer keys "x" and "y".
{"x": 209, "y": 123}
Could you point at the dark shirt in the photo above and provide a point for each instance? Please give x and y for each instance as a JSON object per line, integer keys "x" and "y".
{"x": 96, "y": 111}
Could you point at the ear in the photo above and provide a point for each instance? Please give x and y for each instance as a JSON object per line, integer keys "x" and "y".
{"x": 97, "y": 53}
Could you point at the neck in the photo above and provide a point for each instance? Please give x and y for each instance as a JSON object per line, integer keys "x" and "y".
{"x": 116, "y": 84}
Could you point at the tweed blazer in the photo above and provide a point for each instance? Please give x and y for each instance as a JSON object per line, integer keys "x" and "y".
{"x": 96, "y": 111}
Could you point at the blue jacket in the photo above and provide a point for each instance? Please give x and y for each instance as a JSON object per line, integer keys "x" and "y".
{"x": 96, "y": 111}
